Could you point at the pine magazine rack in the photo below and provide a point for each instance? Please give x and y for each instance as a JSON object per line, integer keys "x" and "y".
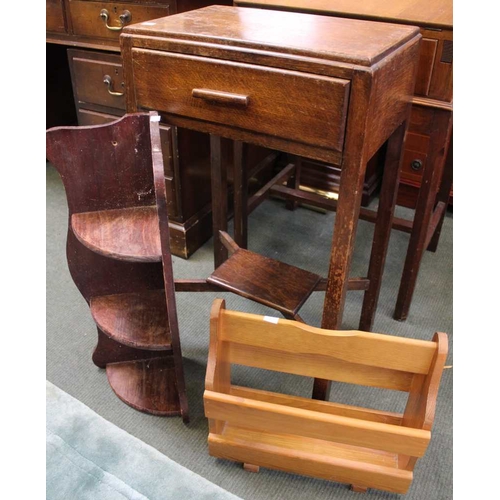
{"x": 363, "y": 447}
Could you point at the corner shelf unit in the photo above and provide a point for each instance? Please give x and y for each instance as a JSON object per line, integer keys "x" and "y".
{"x": 119, "y": 256}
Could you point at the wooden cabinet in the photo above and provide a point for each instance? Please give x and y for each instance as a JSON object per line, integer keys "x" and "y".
{"x": 92, "y": 76}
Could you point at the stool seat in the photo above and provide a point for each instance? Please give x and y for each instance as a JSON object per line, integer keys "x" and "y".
{"x": 267, "y": 281}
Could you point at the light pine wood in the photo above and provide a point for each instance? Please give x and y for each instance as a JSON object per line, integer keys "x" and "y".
{"x": 366, "y": 448}
{"x": 319, "y": 406}
{"x": 251, "y": 468}
{"x": 319, "y": 366}
{"x": 309, "y": 464}
{"x": 371, "y": 349}
{"x": 272, "y": 418}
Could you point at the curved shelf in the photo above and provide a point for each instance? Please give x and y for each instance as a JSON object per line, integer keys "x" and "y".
{"x": 130, "y": 234}
{"x": 134, "y": 319}
{"x": 148, "y": 386}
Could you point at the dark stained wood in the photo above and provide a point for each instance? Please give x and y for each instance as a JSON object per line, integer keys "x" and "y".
{"x": 264, "y": 280}
{"x": 345, "y": 40}
{"x": 443, "y": 195}
{"x": 88, "y": 71}
{"x": 219, "y": 198}
{"x": 383, "y": 225}
{"x": 168, "y": 272}
{"x": 187, "y": 187}
{"x": 134, "y": 319}
{"x": 240, "y": 193}
{"x": 433, "y": 90}
{"x": 119, "y": 255}
{"x": 170, "y": 79}
{"x": 148, "y": 386}
{"x": 109, "y": 351}
{"x": 125, "y": 234}
{"x": 260, "y": 195}
{"x": 376, "y": 62}
{"x": 55, "y": 19}
{"x": 420, "y": 237}
{"x": 87, "y": 22}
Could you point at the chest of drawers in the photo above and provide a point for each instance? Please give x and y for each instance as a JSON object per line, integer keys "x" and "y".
{"x": 84, "y": 67}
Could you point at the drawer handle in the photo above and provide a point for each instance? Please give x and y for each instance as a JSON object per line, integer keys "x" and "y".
{"x": 109, "y": 83}
{"x": 416, "y": 165}
{"x": 125, "y": 17}
{"x": 221, "y": 97}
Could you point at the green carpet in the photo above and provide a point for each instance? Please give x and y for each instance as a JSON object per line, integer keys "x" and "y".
{"x": 89, "y": 458}
{"x": 302, "y": 238}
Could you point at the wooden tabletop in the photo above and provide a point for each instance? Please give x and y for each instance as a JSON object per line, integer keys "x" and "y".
{"x": 344, "y": 40}
{"x": 432, "y": 13}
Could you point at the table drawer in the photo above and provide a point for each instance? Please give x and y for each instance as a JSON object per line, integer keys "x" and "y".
{"x": 88, "y": 18}
{"x": 97, "y": 78}
{"x": 54, "y": 18}
{"x": 299, "y": 107}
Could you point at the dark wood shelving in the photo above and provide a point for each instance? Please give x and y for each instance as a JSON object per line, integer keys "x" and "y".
{"x": 130, "y": 234}
{"x": 147, "y": 385}
{"x": 119, "y": 255}
{"x": 134, "y": 319}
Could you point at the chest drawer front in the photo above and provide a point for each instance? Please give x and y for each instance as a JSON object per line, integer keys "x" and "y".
{"x": 54, "y": 19}
{"x": 89, "y": 19}
{"x": 97, "y": 78}
{"x": 300, "y": 107}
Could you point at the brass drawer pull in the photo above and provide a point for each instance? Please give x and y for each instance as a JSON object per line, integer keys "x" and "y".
{"x": 221, "y": 97}
{"x": 109, "y": 83}
{"x": 416, "y": 165}
{"x": 125, "y": 17}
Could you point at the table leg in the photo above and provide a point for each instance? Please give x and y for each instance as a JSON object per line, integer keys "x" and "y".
{"x": 443, "y": 195}
{"x": 294, "y": 181}
{"x": 344, "y": 234}
{"x": 240, "y": 185}
{"x": 423, "y": 212}
{"x": 383, "y": 225}
{"x": 219, "y": 199}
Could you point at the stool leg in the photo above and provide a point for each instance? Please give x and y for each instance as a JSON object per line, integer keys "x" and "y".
{"x": 240, "y": 185}
{"x": 219, "y": 199}
{"x": 423, "y": 213}
{"x": 383, "y": 225}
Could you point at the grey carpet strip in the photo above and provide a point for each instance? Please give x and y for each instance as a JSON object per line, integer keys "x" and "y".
{"x": 301, "y": 238}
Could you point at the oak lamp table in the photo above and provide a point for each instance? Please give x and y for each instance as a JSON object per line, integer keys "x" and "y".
{"x": 324, "y": 88}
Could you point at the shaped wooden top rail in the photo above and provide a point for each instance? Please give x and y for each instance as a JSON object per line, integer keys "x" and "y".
{"x": 277, "y": 344}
